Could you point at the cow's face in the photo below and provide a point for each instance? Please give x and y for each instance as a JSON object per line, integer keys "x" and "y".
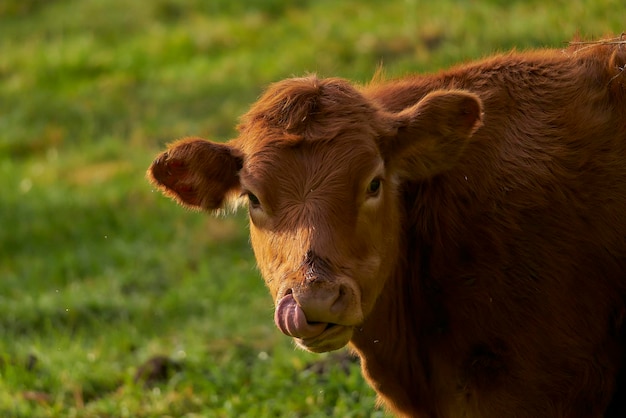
{"x": 324, "y": 219}
{"x": 321, "y": 169}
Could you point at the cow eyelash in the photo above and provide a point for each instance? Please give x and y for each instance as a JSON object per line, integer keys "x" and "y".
{"x": 253, "y": 200}
{"x": 373, "y": 188}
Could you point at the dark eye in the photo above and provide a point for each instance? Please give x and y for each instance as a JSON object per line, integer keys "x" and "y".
{"x": 374, "y": 187}
{"x": 254, "y": 201}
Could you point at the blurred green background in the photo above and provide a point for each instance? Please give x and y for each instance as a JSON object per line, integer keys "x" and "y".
{"x": 114, "y": 302}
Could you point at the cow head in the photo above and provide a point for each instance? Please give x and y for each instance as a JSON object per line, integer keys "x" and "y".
{"x": 320, "y": 167}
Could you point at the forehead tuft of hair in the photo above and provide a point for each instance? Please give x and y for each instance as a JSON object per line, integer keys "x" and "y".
{"x": 309, "y": 108}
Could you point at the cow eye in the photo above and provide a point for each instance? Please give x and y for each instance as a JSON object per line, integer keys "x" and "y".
{"x": 254, "y": 201}
{"x": 373, "y": 189}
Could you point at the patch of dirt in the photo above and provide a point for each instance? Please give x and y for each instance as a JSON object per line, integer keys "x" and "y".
{"x": 155, "y": 370}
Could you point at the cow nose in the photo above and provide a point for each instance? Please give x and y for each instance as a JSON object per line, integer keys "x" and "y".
{"x": 320, "y": 300}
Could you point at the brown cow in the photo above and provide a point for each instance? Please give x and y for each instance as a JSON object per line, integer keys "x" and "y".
{"x": 463, "y": 232}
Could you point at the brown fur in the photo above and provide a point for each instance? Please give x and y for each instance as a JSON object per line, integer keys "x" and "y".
{"x": 487, "y": 276}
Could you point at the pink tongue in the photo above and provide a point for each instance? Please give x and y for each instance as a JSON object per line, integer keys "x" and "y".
{"x": 290, "y": 319}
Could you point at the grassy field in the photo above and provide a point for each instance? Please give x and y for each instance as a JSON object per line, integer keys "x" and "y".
{"x": 113, "y": 301}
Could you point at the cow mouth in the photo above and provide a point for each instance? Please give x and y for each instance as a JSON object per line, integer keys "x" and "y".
{"x": 291, "y": 320}
{"x": 317, "y": 337}
{"x": 333, "y": 338}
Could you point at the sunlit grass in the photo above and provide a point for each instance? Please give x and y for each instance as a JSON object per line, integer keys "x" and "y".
{"x": 99, "y": 273}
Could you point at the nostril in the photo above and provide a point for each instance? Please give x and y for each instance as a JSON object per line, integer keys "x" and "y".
{"x": 339, "y": 303}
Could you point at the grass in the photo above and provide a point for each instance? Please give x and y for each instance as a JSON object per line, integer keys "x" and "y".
{"x": 100, "y": 276}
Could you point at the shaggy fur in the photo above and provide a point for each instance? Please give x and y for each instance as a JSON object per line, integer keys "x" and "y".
{"x": 464, "y": 232}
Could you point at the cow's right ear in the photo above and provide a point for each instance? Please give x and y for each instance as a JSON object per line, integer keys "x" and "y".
{"x": 430, "y": 137}
{"x": 197, "y": 173}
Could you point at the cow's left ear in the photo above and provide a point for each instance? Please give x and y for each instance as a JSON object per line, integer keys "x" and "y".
{"x": 198, "y": 174}
{"x": 430, "y": 137}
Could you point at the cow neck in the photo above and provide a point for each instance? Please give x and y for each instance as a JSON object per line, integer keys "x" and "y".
{"x": 393, "y": 339}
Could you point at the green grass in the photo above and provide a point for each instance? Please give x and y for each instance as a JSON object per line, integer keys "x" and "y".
{"x": 99, "y": 273}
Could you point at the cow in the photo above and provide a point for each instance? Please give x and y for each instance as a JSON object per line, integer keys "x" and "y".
{"x": 463, "y": 232}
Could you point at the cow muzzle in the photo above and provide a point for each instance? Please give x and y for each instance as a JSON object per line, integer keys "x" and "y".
{"x": 320, "y": 314}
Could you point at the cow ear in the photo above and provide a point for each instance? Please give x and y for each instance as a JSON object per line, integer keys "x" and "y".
{"x": 430, "y": 137}
{"x": 197, "y": 173}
